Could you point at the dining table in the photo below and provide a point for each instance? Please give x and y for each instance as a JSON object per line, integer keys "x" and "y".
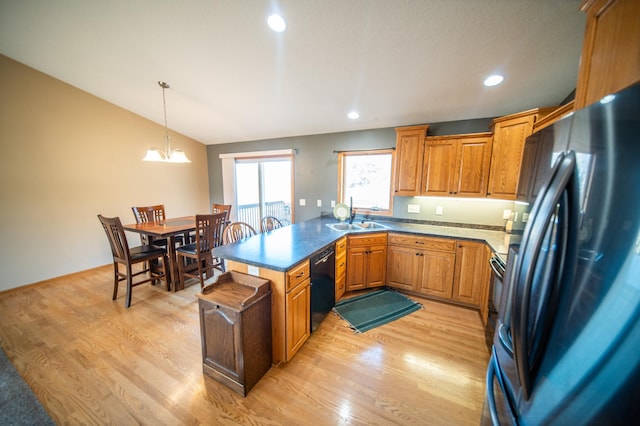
{"x": 169, "y": 229}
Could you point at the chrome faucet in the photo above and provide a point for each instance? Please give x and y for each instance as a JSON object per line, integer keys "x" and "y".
{"x": 352, "y": 214}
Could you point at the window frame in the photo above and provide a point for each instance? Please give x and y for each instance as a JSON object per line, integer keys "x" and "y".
{"x": 341, "y": 175}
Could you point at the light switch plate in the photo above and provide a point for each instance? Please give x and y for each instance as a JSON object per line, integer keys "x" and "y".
{"x": 333, "y": 203}
{"x": 319, "y": 203}
{"x": 506, "y": 213}
{"x": 439, "y": 210}
{"x": 303, "y": 202}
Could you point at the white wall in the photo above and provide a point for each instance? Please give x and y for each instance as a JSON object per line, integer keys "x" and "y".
{"x": 67, "y": 156}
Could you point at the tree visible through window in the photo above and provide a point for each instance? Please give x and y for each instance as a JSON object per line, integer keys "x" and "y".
{"x": 365, "y": 177}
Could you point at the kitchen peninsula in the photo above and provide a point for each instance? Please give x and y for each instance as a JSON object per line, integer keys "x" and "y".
{"x": 282, "y": 256}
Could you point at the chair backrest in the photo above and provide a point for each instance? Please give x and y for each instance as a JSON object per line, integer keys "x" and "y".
{"x": 209, "y": 229}
{"x": 269, "y": 223}
{"x": 117, "y": 238}
{"x": 149, "y": 213}
{"x": 219, "y": 208}
{"x": 237, "y": 231}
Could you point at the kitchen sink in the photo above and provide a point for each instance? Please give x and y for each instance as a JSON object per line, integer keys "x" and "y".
{"x": 369, "y": 225}
{"x": 341, "y": 226}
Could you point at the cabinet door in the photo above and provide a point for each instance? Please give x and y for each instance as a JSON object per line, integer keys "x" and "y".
{"x": 610, "y": 60}
{"x": 508, "y": 144}
{"x": 298, "y": 316}
{"x": 472, "y": 168}
{"x": 437, "y": 274}
{"x": 409, "y": 157}
{"x": 404, "y": 265}
{"x": 471, "y": 273}
{"x": 356, "y": 274}
{"x": 439, "y": 167}
{"x": 376, "y": 266}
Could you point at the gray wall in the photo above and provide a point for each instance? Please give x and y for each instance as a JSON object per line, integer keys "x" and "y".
{"x": 316, "y": 172}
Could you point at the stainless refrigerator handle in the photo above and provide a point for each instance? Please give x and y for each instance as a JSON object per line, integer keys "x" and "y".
{"x": 561, "y": 178}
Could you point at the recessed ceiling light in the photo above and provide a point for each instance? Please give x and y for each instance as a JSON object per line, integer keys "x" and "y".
{"x": 353, "y": 115}
{"x": 277, "y": 23}
{"x": 493, "y": 80}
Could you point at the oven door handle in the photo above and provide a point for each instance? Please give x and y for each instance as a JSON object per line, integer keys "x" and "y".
{"x": 497, "y": 268}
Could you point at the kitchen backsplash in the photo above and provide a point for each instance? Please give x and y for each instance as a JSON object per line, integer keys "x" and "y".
{"x": 455, "y": 210}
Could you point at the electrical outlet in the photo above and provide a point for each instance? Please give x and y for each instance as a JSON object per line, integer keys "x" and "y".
{"x": 506, "y": 213}
{"x": 303, "y": 202}
{"x": 333, "y": 203}
{"x": 319, "y": 203}
{"x": 253, "y": 270}
{"x": 525, "y": 217}
{"x": 439, "y": 210}
{"x": 413, "y": 208}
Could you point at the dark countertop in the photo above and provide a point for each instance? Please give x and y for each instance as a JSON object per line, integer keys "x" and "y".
{"x": 283, "y": 248}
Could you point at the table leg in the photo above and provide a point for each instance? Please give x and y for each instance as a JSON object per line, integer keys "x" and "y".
{"x": 173, "y": 263}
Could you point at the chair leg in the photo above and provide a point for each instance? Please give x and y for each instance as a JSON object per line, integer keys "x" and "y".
{"x": 115, "y": 280}
{"x": 129, "y": 285}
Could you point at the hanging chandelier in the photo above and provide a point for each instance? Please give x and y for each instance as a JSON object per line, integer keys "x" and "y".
{"x": 168, "y": 156}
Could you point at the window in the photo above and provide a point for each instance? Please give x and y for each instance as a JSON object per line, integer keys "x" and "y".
{"x": 259, "y": 184}
{"x": 365, "y": 177}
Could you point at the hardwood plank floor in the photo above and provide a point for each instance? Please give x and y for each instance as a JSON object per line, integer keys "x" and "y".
{"x": 89, "y": 360}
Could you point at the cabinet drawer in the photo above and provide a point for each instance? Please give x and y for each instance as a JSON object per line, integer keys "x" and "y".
{"x": 423, "y": 243}
{"x": 341, "y": 246}
{"x": 297, "y": 275}
{"x": 341, "y": 265}
{"x": 367, "y": 240}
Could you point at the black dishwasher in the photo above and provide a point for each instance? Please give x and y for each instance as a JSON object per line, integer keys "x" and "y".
{"x": 323, "y": 287}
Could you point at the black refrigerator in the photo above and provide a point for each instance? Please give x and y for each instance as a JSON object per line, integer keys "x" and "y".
{"x": 566, "y": 348}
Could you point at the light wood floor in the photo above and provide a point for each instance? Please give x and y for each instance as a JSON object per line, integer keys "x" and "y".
{"x": 91, "y": 361}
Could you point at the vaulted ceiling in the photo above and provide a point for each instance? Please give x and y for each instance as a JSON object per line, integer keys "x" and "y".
{"x": 232, "y": 79}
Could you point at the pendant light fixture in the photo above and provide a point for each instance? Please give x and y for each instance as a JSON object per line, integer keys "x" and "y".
{"x": 168, "y": 156}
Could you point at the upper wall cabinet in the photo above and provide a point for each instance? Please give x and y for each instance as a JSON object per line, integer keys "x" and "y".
{"x": 456, "y": 165}
{"x": 509, "y": 134}
{"x": 610, "y": 58}
{"x": 409, "y": 157}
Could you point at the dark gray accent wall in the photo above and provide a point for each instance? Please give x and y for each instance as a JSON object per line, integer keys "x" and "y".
{"x": 316, "y": 170}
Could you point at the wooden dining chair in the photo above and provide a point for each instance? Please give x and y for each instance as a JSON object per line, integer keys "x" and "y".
{"x": 208, "y": 235}
{"x": 269, "y": 223}
{"x": 123, "y": 255}
{"x": 218, "y": 208}
{"x": 144, "y": 214}
{"x": 236, "y": 231}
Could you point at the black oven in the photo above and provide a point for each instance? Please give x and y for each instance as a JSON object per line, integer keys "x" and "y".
{"x": 495, "y": 291}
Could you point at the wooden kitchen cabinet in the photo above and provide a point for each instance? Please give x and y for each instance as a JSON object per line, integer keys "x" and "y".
{"x": 424, "y": 265}
{"x": 509, "y": 135}
{"x": 341, "y": 267}
{"x": 290, "y": 307}
{"x": 298, "y": 308}
{"x": 457, "y": 165}
{"x": 409, "y": 158}
{"x": 472, "y": 273}
{"x": 366, "y": 261}
{"x": 610, "y": 59}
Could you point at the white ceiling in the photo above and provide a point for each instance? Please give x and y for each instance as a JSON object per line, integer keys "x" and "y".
{"x": 397, "y": 62}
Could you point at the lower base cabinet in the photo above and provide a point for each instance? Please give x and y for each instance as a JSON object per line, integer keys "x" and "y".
{"x": 447, "y": 269}
{"x": 366, "y": 261}
{"x": 235, "y": 325}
